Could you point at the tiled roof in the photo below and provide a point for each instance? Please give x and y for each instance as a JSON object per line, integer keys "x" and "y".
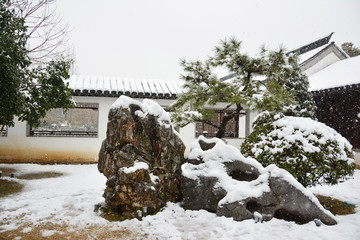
{"x": 114, "y": 87}
{"x": 312, "y": 45}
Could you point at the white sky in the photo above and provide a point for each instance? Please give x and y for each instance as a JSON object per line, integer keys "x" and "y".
{"x": 146, "y": 38}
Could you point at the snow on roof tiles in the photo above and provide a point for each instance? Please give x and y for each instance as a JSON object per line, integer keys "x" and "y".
{"x": 306, "y": 56}
{"x": 339, "y": 74}
{"x": 312, "y": 45}
{"x": 114, "y": 87}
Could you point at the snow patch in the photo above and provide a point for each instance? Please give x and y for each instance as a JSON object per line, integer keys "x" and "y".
{"x": 137, "y": 166}
{"x": 49, "y": 233}
{"x": 341, "y": 73}
{"x": 124, "y": 102}
{"x": 155, "y": 179}
{"x": 27, "y": 230}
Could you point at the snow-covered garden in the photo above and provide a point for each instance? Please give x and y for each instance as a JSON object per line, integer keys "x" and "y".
{"x": 60, "y": 201}
{"x": 63, "y": 208}
{"x": 144, "y": 185}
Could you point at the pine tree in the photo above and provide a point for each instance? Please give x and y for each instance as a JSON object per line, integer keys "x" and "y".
{"x": 286, "y": 150}
{"x": 204, "y": 89}
{"x": 350, "y": 49}
{"x": 298, "y": 84}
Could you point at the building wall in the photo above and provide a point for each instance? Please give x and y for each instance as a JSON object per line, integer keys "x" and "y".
{"x": 339, "y": 109}
{"x": 357, "y": 157}
{"x": 321, "y": 64}
{"x": 18, "y": 147}
{"x": 324, "y": 59}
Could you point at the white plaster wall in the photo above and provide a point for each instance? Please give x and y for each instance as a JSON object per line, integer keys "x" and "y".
{"x": 242, "y": 126}
{"x": 253, "y": 115}
{"x": 22, "y": 148}
{"x": 188, "y": 135}
{"x": 323, "y": 63}
{"x": 236, "y": 142}
{"x": 357, "y": 157}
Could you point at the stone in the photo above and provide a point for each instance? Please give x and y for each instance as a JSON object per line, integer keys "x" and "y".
{"x": 218, "y": 178}
{"x": 141, "y": 158}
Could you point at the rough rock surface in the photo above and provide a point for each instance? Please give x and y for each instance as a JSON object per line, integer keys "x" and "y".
{"x": 141, "y": 158}
{"x": 219, "y": 179}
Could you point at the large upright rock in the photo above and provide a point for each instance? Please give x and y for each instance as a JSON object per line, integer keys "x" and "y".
{"x": 141, "y": 157}
{"x": 218, "y": 178}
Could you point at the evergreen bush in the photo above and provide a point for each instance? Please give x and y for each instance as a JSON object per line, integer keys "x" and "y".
{"x": 311, "y": 151}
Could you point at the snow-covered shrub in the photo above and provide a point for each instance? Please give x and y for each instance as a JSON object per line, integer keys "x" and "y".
{"x": 311, "y": 151}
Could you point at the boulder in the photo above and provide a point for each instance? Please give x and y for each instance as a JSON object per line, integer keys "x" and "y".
{"x": 141, "y": 158}
{"x": 218, "y": 178}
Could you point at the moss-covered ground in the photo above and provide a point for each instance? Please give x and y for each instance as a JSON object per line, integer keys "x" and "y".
{"x": 335, "y": 206}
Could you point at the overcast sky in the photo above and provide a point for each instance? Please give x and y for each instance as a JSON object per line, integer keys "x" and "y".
{"x": 146, "y": 38}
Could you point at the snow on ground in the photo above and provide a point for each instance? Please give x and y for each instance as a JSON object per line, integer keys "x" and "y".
{"x": 70, "y": 200}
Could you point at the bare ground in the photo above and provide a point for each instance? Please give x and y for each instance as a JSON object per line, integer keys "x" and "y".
{"x": 60, "y": 231}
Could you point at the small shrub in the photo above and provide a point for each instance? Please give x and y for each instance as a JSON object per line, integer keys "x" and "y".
{"x": 311, "y": 151}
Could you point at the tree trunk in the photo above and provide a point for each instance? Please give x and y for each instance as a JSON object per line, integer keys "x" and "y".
{"x": 226, "y": 119}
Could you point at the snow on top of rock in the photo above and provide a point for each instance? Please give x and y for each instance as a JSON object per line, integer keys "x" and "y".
{"x": 147, "y": 107}
{"x": 124, "y": 102}
{"x": 213, "y": 166}
{"x": 285, "y": 175}
{"x": 137, "y": 166}
{"x": 341, "y": 73}
{"x": 153, "y": 108}
{"x": 218, "y": 153}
